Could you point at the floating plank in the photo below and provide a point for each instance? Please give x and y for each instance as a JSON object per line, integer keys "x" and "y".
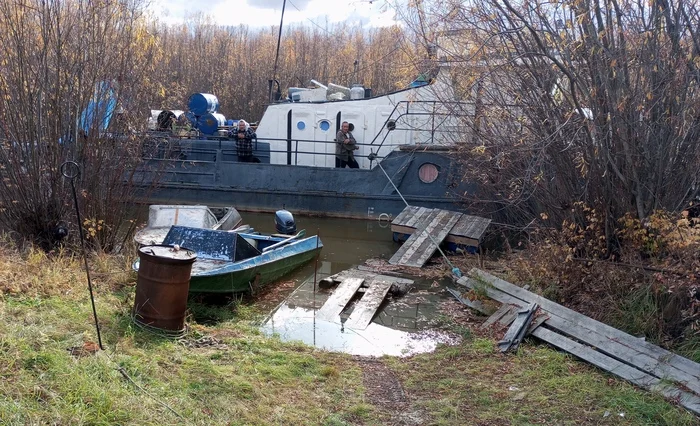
{"x": 620, "y": 369}
{"x": 422, "y": 244}
{"x": 632, "y": 350}
{"x": 339, "y": 299}
{"x": 599, "y": 359}
{"x": 367, "y": 306}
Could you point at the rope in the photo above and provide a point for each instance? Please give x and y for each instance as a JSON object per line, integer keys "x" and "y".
{"x": 455, "y": 270}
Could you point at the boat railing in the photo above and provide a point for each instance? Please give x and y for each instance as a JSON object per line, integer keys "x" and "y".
{"x": 404, "y": 110}
{"x": 212, "y": 150}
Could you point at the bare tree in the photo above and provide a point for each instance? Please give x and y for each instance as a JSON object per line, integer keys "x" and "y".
{"x": 590, "y": 101}
{"x": 70, "y": 68}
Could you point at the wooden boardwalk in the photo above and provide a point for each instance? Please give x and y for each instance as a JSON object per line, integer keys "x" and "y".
{"x": 430, "y": 232}
{"x": 467, "y": 231}
{"x": 339, "y": 299}
{"x": 367, "y": 306}
{"x": 377, "y": 287}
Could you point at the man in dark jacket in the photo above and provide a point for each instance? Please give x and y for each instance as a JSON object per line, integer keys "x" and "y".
{"x": 345, "y": 145}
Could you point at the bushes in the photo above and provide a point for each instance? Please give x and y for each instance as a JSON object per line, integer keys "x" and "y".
{"x": 647, "y": 284}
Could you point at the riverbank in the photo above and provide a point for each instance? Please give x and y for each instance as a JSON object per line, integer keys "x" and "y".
{"x": 225, "y": 371}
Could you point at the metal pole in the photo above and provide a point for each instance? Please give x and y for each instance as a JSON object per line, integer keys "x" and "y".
{"x": 71, "y": 170}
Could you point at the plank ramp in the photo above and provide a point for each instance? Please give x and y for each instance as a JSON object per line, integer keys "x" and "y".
{"x": 367, "y": 306}
{"x": 421, "y": 245}
{"x": 626, "y": 356}
{"x": 339, "y": 299}
{"x": 467, "y": 231}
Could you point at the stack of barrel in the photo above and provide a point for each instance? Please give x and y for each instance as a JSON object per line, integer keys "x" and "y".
{"x": 203, "y": 113}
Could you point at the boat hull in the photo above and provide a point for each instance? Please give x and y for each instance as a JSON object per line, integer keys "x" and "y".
{"x": 252, "y": 275}
{"x": 350, "y": 193}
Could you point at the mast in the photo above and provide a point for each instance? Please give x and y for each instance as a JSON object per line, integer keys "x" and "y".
{"x": 277, "y": 55}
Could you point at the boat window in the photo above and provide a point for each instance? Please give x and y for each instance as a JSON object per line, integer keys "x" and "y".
{"x": 428, "y": 173}
{"x": 324, "y": 125}
{"x": 301, "y": 125}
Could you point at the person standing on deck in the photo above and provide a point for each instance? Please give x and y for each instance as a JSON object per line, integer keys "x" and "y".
{"x": 244, "y": 136}
{"x": 345, "y": 145}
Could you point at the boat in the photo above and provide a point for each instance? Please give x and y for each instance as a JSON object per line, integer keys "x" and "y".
{"x": 235, "y": 262}
{"x": 406, "y": 143}
{"x": 162, "y": 217}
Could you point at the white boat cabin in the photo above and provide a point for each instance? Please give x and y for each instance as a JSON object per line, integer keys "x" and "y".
{"x": 302, "y": 132}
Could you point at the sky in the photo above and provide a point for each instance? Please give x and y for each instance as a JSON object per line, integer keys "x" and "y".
{"x": 265, "y": 13}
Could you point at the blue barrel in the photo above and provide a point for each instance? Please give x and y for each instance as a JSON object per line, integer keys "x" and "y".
{"x": 209, "y": 123}
{"x": 202, "y": 103}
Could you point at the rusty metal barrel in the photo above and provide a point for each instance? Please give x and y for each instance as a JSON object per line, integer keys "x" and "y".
{"x": 162, "y": 288}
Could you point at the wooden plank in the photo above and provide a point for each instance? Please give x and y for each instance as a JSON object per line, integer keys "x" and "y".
{"x": 469, "y": 226}
{"x": 643, "y": 355}
{"x": 474, "y": 304}
{"x": 339, "y": 299}
{"x": 402, "y": 217}
{"x": 503, "y": 310}
{"x": 420, "y": 246}
{"x": 407, "y": 246}
{"x": 418, "y": 216}
{"x": 367, "y": 307}
{"x": 367, "y": 275}
{"x": 620, "y": 369}
{"x": 517, "y": 330}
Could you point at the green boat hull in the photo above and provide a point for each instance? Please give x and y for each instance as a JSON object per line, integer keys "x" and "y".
{"x": 251, "y": 279}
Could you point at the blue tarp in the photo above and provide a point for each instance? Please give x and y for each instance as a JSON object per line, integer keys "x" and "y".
{"x": 99, "y": 110}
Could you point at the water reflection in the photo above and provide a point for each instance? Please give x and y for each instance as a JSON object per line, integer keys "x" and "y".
{"x": 300, "y": 324}
{"x": 401, "y": 327}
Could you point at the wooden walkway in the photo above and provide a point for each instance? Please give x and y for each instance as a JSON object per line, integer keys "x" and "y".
{"x": 467, "y": 231}
{"x": 376, "y": 288}
{"x": 432, "y": 229}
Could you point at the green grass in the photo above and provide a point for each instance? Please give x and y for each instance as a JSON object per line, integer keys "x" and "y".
{"x": 250, "y": 379}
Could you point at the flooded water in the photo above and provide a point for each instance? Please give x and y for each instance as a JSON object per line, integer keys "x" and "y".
{"x": 402, "y": 326}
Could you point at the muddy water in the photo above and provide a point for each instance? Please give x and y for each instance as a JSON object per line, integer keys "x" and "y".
{"x": 403, "y": 326}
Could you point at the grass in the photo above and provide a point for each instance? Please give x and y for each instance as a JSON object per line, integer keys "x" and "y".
{"x": 246, "y": 378}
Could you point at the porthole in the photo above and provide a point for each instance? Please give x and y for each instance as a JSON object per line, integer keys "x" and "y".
{"x": 428, "y": 173}
{"x": 324, "y": 125}
{"x": 351, "y": 127}
{"x": 391, "y": 125}
{"x": 301, "y": 125}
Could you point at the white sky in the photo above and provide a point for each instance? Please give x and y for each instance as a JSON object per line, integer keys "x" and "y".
{"x": 265, "y": 13}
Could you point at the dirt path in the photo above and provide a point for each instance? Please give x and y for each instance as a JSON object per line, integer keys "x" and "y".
{"x": 385, "y": 392}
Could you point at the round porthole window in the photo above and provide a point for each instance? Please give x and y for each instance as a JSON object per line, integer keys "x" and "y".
{"x": 301, "y": 125}
{"x": 324, "y": 125}
{"x": 428, "y": 173}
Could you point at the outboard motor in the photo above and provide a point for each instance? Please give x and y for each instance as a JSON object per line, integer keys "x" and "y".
{"x": 284, "y": 222}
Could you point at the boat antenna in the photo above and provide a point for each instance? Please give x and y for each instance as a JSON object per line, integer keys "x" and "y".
{"x": 277, "y": 55}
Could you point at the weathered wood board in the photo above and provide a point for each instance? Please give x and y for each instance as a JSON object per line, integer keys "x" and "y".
{"x": 620, "y": 369}
{"x": 339, "y": 299}
{"x": 367, "y": 307}
{"x": 618, "y": 344}
{"x": 467, "y": 231}
{"x": 422, "y": 244}
{"x": 688, "y": 400}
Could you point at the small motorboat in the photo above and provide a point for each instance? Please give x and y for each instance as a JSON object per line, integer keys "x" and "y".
{"x": 233, "y": 262}
{"x": 162, "y": 217}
